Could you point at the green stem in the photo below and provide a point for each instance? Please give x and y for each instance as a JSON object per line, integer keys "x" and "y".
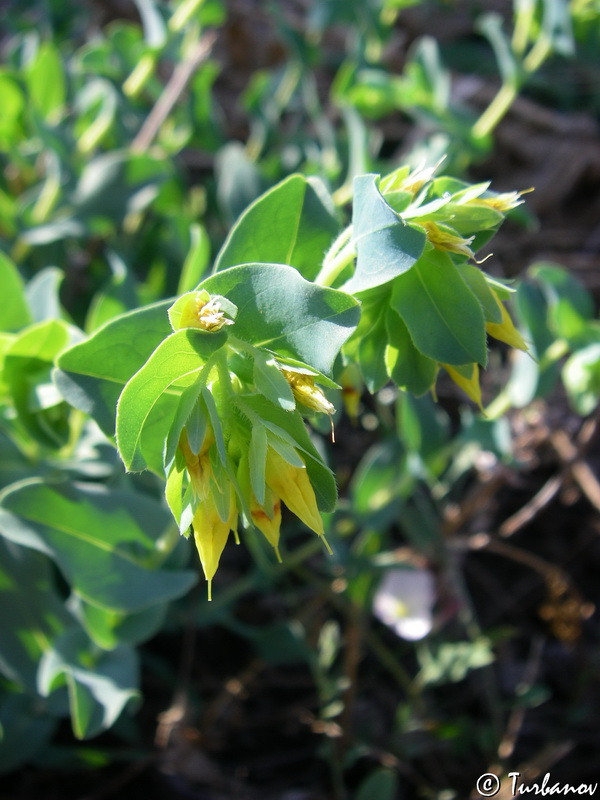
{"x": 502, "y": 403}
{"x": 509, "y": 91}
{"x": 341, "y": 254}
{"x": 496, "y": 110}
{"x": 537, "y": 55}
{"x": 524, "y": 17}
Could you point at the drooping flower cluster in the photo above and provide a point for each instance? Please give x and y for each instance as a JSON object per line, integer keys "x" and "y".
{"x": 251, "y": 458}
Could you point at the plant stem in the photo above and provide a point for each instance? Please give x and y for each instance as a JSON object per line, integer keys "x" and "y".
{"x": 341, "y": 253}
{"x": 171, "y": 94}
{"x": 508, "y": 91}
{"x": 496, "y": 110}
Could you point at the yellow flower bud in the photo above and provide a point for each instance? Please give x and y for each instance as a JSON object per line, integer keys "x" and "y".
{"x": 293, "y": 486}
{"x": 211, "y": 533}
{"x": 505, "y": 331}
{"x": 198, "y": 464}
{"x": 467, "y": 378}
{"x": 305, "y": 392}
{"x": 352, "y": 387}
{"x": 443, "y": 238}
{"x": 268, "y": 525}
{"x": 502, "y": 202}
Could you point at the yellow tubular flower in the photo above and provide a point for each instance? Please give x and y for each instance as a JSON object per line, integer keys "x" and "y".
{"x": 304, "y": 390}
{"x": 293, "y": 486}
{"x": 468, "y": 383}
{"x": 505, "y": 331}
{"x": 502, "y": 202}
{"x": 443, "y": 238}
{"x": 351, "y": 391}
{"x": 198, "y": 464}
{"x": 269, "y": 526}
{"x": 211, "y": 533}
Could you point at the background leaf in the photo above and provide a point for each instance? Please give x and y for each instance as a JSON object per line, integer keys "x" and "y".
{"x": 14, "y": 309}
{"x": 104, "y": 541}
{"x": 33, "y": 614}
{"x": 99, "y": 687}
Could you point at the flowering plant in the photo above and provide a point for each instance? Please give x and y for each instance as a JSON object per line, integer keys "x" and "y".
{"x": 212, "y": 393}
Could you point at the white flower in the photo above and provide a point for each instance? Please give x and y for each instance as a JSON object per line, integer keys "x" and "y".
{"x": 404, "y": 601}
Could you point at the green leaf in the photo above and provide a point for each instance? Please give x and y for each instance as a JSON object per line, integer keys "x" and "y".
{"x": 153, "y": 23}
{"x": 380, "y": 481}
{"x": 367, "y": 344}
{"x": 570, "y": 306}
{"x": 33, "y": 614}
{"x": 527, "y": 379}
{"x": 279, "y": 310}
{"x": 13, "y": 103}
{"x": 409, "y": 369}
{"x": 424, "y": 429}
{"x": 174, "y": 488}
{"x": 104, "y": 542}
{"x": 215, "y": 421}
{"x": 28, "y": 363}
{"x": 385, "y": 245}
{"x": 177, "y": 360}
{"x": 293, "y": 223}
{"x": 475, "y": 280}
{"x": 198, "y": 258}
{"x": 117, "y": 296}
{"x": 91, "y": 375}
{"x": 581, "y": 376}
{"x": 371, "y": 355}
{"x": 118, "y": 183}
{"x": 14, "y": 309}
{"x": 196, "y": 424}
{"x": 108, "y": 629}
{"x": 25, "y": 728}
{"x": 451, "y": 662}
{"x": 42, "y": 294}
{"x": 238, "y": 179}
{"x": 556, "y": 26}
{"x": 257, "y": 455}
{"x": 491, "y": 26}
{"x": 100, "y": 685}
{"x": 381, "y": 784}
{"x": 45, "y": 77}
{"x": 270, "y": 381}
{"x": 187, "y": 406}
{"x": 443, "y": 316}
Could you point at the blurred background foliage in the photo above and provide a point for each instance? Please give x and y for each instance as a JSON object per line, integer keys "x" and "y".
{"x": 453, "y": 630}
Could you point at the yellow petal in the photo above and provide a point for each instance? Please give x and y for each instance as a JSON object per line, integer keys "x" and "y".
{"x": 505, "y": 331}
{"x": 198, "y": 464}
{"x": 444, "y": 238}
{"x": 352, "y": 386}
{"x": 468, "y": 382}
{"x": 269, "y": 526}
{"x": 293, "y": 485}
{"x": 211, "y": 533}
{"x": 306, "y": 392}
